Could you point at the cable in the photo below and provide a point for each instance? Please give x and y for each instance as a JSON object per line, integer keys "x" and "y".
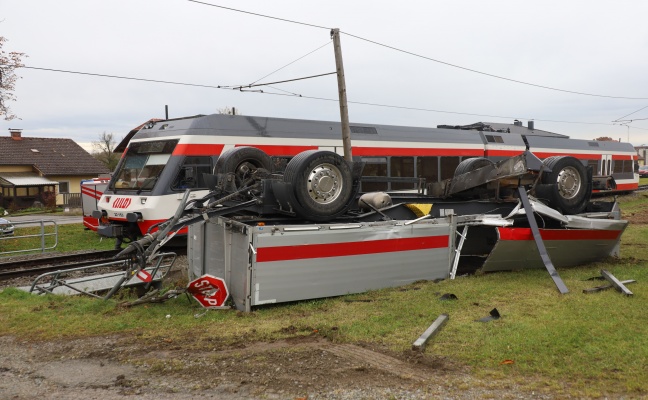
{"x": 272, "y": 83}
{"x": 425, "y": 57}
{"x": 309, "y": 97}
{"x": 618, "y": 119}
{"x": 260, "y": 15}
{"x": 492, "y": 75}
{"x": 306, "y": 55}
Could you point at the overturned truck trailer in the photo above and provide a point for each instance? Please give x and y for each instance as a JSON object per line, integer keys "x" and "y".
{"x": 487, "y": 218}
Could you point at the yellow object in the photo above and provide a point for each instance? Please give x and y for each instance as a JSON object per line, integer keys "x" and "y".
{"x": 420, "y": 209}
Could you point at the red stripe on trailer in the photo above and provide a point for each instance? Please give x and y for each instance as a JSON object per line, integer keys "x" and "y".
{"x": 324, "y": 250}
{"x": 558, "y": 234}
{"x": 391, "y": 151}
{"x": 192, "y": 149}
{"x": 280, "y": 150}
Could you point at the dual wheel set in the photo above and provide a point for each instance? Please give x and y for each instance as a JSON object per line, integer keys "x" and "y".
{"x": 319, "y": 184}
{"x": 322, "y": 185}
{"x": 566, "y": 188}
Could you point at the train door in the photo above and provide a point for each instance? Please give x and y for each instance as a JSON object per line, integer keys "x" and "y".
{"x": 606, "y": 165}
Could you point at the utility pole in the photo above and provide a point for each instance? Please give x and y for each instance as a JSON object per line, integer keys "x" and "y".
{"x": 344, "y": 110}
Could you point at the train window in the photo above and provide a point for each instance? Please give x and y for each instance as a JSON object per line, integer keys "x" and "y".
{"x": 143, "y": 164}
{"x": 191, "y": 173}
{"x": 494, "y": 139}
{"x": 428, "y": 168}
{"x": 374, "y": 167}
{"x": 279, "y": 163}
{"x": 618, "y": 166}
{"x": 594, "y": 165}
{"x": 402, "y": 167}
{"x": 448, "y": 167}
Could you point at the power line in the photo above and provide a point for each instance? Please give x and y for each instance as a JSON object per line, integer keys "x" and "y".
{"x": 290, "y": 63}
{"x": 259, "y": 15}
{"x": 222, "y": 87}
{"x": 634, "y": 112}
{"x": 273, "y": 83}
{"x": 425, "y": 57}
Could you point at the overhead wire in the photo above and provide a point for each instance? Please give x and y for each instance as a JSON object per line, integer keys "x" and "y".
{"x": 290, "y": 63}
{"x": 233, "y": 87}
{"x": 424, "y": 57}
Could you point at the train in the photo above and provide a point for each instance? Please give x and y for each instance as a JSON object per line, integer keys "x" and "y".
{"x": 166, "y": 157}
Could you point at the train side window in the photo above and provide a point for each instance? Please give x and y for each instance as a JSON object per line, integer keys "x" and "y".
{"x": 279, "y": 163}
{"x": 191, "y": 173}
{"x": 374, "y": 167}
{"x": 428, "y": 168}
{"x": 448, "y": 167}
{"x": 402, "y": 167}
{"x": 594, "y": 165}
{"x": 618, "y": 166}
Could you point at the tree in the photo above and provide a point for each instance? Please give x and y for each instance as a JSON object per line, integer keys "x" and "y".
{"x": 604, "y": 139}
{"x": 8, "y": 64}
{"x": 229, "y": 111}
{"x": 103, "y": 150}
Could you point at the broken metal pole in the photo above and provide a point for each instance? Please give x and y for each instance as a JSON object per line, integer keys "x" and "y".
{"x": 539, "y": 243}
{"x": 616, "y": 283}
{"x": 605, "y": 287}
{"x": 419, "y": 344}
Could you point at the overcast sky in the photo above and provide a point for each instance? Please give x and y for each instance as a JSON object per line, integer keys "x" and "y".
{"x": 595, "y": 47}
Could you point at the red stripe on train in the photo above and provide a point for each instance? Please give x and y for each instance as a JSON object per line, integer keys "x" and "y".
{"x": 193, "y": 149}
{"x": 307, "y": 251}
{"x": 390, "y": 151}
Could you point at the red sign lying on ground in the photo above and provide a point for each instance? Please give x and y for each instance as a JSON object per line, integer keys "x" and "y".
{"x": 209, "y": 291}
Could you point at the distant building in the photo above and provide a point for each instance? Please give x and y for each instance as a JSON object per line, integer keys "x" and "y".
{"x": 31, "y": 169}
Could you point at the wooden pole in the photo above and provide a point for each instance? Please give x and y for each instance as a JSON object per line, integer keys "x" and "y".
{"x": 344, "y": 110}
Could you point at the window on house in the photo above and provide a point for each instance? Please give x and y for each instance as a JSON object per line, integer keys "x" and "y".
{"x": 64, "y": 187}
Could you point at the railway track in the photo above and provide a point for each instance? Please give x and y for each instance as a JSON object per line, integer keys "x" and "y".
{"x": 48, "y": 263}
{"x": 35, "y": 266}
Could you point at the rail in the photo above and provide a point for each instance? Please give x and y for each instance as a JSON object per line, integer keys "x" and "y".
{"x": 42, "y": 235}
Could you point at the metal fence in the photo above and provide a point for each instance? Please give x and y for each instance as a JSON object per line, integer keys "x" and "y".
{"x": 32, "y": 242}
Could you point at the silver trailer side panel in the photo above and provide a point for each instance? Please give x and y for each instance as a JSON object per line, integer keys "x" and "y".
{"x": 274, "y": 264}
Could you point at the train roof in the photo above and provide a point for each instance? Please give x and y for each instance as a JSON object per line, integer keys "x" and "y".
{"x": 515, "y": 127}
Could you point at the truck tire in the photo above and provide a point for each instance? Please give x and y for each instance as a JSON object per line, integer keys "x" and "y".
{"x": 472, "y": 164}
{"x": 322, "y": 183}
{"x": 242, "y": 162}
{"x": 566, "y": 186}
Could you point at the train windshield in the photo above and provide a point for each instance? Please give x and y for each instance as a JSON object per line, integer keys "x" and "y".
{"x": 142, "y": 165}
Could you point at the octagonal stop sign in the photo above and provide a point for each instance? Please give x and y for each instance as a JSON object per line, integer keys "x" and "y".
{"x": 209, "y": 291}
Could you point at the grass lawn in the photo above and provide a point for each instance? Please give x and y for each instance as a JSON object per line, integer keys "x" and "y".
{"x": 585, "y": 345}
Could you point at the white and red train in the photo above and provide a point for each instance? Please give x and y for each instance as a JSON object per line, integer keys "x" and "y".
{"x": 164, "y": 158}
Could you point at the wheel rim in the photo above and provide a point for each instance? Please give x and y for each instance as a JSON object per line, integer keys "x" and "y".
{"x": 325, "y": 183}
{"x": 569, "y": 182}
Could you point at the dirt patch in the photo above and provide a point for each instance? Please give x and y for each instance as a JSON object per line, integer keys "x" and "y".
{"x": 296, "y": 368}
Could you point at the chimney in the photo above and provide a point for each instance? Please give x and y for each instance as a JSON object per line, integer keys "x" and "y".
{"x": 517, "y": 123}
{"x": 15, "y": 133}
{"x": 531, "y": 125}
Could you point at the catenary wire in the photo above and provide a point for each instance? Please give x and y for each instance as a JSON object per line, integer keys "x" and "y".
{"x": 425, "y": 57}
{"x": 309, "y": 97}
{"x": 290, "y": 63}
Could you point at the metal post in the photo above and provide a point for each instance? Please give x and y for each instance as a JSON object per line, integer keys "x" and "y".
{"x": 42, "y": 224}
{"x": 344, "y": 110}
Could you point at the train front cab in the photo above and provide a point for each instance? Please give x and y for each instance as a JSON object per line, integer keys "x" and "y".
{"x": 147, "y": 185}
